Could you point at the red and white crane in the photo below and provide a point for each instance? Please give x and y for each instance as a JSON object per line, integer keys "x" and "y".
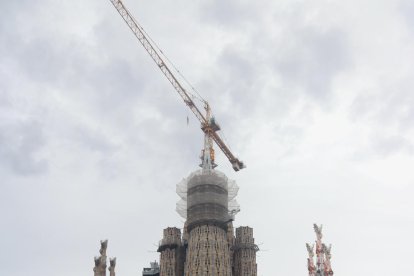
{"x": 208, "y": 124}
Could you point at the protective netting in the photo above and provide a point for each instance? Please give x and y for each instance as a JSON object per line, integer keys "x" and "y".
{"x": 207, "y": 195}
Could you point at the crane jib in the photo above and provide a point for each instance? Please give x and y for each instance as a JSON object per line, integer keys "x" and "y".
{"x": 140, "y": 35}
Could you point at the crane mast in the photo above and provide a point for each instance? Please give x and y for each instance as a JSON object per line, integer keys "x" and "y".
{"x": 208, "y": 124}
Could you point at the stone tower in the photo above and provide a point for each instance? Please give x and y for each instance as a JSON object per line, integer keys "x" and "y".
{"x": 245, "y": 252}
{"x": 112, "y": 264}
{"x": 171, "y": 253}
{"x": 100, "y": 262}
{"x": 208, "y": 250}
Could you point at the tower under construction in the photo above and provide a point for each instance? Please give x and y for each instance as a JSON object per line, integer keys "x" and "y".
{"x": 208, "y": 244}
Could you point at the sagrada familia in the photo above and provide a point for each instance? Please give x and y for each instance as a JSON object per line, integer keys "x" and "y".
{"x": 209, "y": 245}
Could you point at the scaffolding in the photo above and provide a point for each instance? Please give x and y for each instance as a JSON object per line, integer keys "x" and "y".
{"x": 207, "y": 196}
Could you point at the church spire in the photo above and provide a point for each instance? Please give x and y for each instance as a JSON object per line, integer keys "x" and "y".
{"x": 322, "y": 267}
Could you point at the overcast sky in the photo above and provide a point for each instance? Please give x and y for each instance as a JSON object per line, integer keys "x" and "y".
{"x": 316, "y": 97}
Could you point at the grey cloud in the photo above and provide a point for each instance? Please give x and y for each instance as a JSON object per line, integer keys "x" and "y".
{"x": 239, "y": 77}
{"x": 113, "y": 86}
{"x": 15, "y": 44}
{"x": 21, "y": 143}
{"x": 407, "y": 10}
{"x": 391, "y": 105}
{"x": 67, "y": 63}
{"x": 388, "y": 145}
{"x": 93, "y": 139}
{"x": 5, "y": 99}
{"x": 288, "y": 135}
{"x": 237, "y": 63}
{"x": 306, "y": 61}
{"x": 228, "y": 13}
{"x": 362, "y": 106}
{"x": 42, "y": 60}
{"x": 312, "y": 59}
{"x": 390, "y": 112}
{"x": 382, "y": 145}
{"x": 10, "y": 10}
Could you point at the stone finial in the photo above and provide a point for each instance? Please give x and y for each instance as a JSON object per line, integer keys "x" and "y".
{"x": 310, "y": 250}
{"x": 318, "y": 231}
{"x": 327, "y": 250}
{"x": 100, "y": 262}
{"x": 112, "y": 264}
{"x": 97, "y": 261}
{"x": 104, "y": 246}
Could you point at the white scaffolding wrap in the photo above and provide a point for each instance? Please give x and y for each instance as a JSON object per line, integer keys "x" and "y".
{"x": 207, "y": 195}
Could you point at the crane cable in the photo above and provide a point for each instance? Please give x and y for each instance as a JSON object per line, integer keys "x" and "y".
{"x": 198, "y": 97}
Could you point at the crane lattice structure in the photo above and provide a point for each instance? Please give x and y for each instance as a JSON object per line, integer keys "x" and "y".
{"x": 323, "y": 256}
{"x": 208, "y": 124}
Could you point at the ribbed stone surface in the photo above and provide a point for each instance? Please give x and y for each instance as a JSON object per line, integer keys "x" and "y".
{"x": 208, "y": 252}
{"x": 245, "y": 253}
{"x": 171, "y": 259}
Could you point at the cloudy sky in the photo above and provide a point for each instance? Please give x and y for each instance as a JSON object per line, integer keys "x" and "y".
{"x": 316, "y": 97}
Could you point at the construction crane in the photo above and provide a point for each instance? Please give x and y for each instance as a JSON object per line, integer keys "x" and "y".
{"x": 208, "y": 124}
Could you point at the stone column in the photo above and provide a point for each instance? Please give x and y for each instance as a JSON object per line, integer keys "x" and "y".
{"x": 231, "y": 241}
{"x": 172, "y": 253}
{"x": 100, "y": 262}
{"x": 245, "y": 252}
{"x": 208, "y": 252}
{"x": 112, "y": 263}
